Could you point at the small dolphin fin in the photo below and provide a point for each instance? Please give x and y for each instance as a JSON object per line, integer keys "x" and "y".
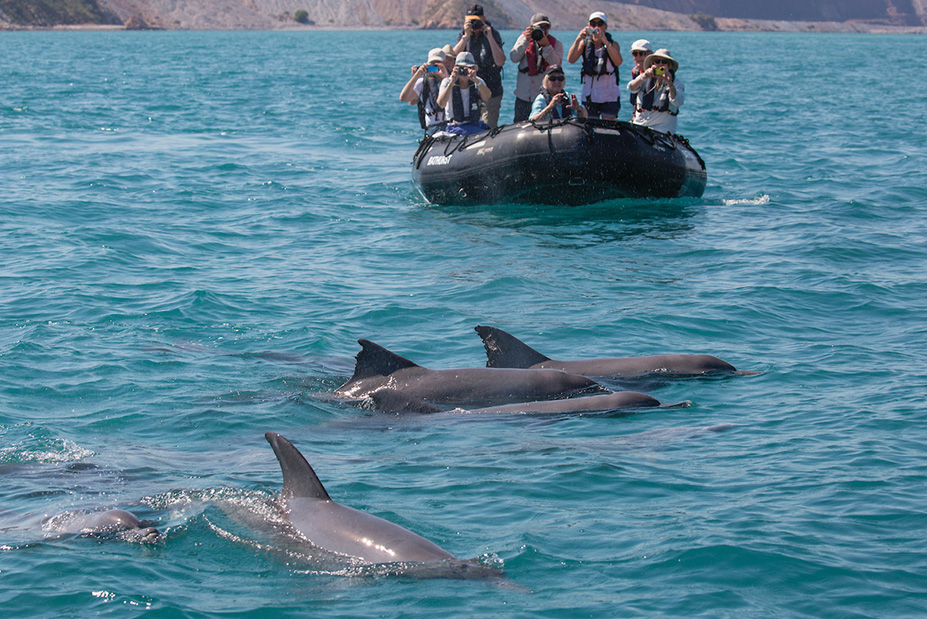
{"x": 299, "y": 480}
{"x": 507, "y": 351}
{"x": 374, "y": 360}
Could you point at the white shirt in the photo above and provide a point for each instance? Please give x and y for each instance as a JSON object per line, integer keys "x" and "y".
{"x": 601, "y": 88}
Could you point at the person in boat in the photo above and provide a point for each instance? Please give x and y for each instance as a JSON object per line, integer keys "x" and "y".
{"x": 535, "y": 51}
{"x": 640, "y": 49}
{"x": 659, "y": 93}
{"x": 553, "y": 101}
{"x": 423, "y": 87}
{"x": 601, "y": 57}
{"x": 485, "y": 44}
{"x": 460, "y": 96}
{"x": 450, "y": 57}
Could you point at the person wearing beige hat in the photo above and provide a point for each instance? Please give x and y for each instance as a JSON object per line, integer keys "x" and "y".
{"x": 535, "y": 50}
{"x": 450, "y": 56}
{"x": 422, "y": 88}
{"x": 659, "y": 93}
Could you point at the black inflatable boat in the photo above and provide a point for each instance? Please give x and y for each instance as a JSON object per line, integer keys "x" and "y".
{"x": 571, "y": 161}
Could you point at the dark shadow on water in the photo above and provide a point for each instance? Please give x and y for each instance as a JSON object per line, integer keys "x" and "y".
{"x": 658, "y": 218}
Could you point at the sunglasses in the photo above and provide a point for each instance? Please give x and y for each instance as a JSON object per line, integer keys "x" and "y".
{"x": 637, "y": 53}
{"x": 556, "y": 78}
{"x": 660, "y": 61}
{"x": 597, "y": 23}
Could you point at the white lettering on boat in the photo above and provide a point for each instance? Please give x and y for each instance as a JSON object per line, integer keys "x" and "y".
{"x": 483, "y": 151}
{"x": 439, "y": 160}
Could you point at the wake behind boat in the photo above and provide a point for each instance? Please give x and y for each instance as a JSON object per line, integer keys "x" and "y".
{"x": 568, "y": 161}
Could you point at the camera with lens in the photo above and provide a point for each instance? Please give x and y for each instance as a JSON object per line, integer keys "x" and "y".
{"x": 537, "y": 33}
{"x": 659, "y": 70}
{"x": 463, "y": 71}
{"x": 476, "y": 24}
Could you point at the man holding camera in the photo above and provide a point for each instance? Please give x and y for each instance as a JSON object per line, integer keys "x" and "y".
{"x": 535, "y": 51}
{"x": 659, "y": 93}
{"x": 481, "y": 40}
{"x": 460, "y": 97}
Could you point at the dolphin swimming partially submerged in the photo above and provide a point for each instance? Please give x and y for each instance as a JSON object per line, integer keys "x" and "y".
{"x": 108, "y": 522}
{"x": 392, "y": 401}
{"x": 506, "y": 351}
{"x": 341, "y": 529}
{"x": 377, "y": 368}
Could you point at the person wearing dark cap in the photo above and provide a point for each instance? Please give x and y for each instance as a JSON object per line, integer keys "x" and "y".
{"x": 480, "y": 39}
{"x": 553, "y": 101}
{"x": 535, "y": 51}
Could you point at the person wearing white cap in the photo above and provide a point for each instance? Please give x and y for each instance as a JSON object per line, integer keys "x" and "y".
{"x": 460, "y": 96}
{"x": 659, "y": 93}
{"x": 601, "y": 57}
{"x": 422, "y": 88}
{"x": 640, "y": 49}
{"x": 535, "y": 50}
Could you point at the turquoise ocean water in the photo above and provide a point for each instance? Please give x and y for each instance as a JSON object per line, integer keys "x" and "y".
{"x": 198, "y": 226}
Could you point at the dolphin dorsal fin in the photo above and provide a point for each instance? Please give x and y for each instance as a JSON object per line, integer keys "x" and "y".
{"x": 299, "y": 480}
{"x": 374, "y": 360}
{"x": 507, "y": 351}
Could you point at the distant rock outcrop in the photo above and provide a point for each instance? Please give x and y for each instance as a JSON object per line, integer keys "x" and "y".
{"x": 737, "y": 15}
{"x": 47, "y": 13}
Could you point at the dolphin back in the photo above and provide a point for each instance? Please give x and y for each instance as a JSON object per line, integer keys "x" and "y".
{"x": 507, "y": 351}
{"x": 299, "y": 480}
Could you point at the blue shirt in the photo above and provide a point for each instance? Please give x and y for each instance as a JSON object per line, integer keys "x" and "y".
{"x": 540, "y": 103}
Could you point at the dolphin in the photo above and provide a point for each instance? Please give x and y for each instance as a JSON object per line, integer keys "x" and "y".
{"x": 377, "y": 368}
{"x": 340, "y": 529}
{"x": 506, "y": 351}
{"x": 111, "y": 521}
{"x": 394, "y": 401}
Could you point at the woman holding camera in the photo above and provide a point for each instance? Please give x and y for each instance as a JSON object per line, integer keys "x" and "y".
{"x": 535, "y": 50}
{"x": 460, "y": 96}
{"x": 659, "y": 93}
{"x": 553, "y": 101}
{"x": 601, "y": 58}
{"x": 423, "y": 87}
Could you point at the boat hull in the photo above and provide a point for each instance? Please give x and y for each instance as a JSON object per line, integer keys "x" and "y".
{"x": 572, "y": 161}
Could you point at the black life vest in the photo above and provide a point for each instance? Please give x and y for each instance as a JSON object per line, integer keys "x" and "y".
{"x": 634, "y": 73}
{"x": 558, "y": 111}
{"x": 646, "y": 97}
{"x": 473, "y": 111}
{"x": 595, "y": 66}
{"x": 428, "y": 102}
{"x": 487, "y": 67}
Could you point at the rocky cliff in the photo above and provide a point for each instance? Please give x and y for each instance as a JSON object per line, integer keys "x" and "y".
{"x": 819, "y": 15}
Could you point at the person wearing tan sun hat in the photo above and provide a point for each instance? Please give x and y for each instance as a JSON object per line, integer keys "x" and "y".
{"x": 659, "y": 93}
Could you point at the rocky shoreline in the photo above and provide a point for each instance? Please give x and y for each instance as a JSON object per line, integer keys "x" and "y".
{"x": 424, "y": 14}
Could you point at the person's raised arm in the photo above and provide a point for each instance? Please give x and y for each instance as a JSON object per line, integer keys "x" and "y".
{"x": 576, "y": 50}
{"x": 498, "y": 56}
{"x": 445, "y": 94}
{"x": 408, "y": 93}
{"x": 520, "y": 47}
